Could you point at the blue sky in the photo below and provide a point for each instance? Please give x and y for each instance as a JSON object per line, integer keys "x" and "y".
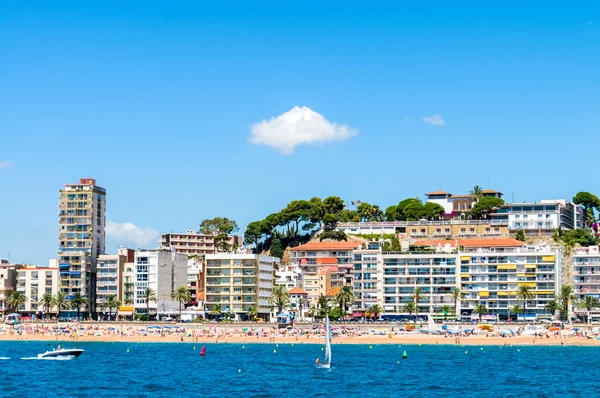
{"x": 159, "y": 103}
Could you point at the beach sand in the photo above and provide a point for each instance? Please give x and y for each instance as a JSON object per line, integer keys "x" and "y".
{"x": 223, "y": 335}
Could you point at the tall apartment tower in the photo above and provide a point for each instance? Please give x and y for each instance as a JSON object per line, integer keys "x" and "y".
{"x": 81, "y": 237}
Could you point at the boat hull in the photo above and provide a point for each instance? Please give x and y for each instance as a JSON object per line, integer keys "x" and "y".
{"x": 62, "y": 353}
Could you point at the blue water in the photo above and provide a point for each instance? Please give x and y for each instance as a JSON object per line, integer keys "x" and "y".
{"x": 255, "y": 370}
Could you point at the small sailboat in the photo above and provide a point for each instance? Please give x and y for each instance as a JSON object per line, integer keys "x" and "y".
{"x": 326, "y": 363}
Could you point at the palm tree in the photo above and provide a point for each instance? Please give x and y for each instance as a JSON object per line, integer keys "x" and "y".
{"x": 375, "y": 310}
{"x": 217, "y": 310}
{"x": 480, "y": 309}
{"x": 111, "y": 302}
{"x": 345, "y": 296}
{"x": 16, "y": 300}
{"x": 149, "y": 295}
{"x": 312, "y": 312}
{"x": 47, "y": 302}
{"x": 446, "y": 309}
{"x": 553, "y": 306}
{"x": 78, "y": 301}
{"x": 252, "y": 313}
{"x": 280, "y": 298}
{"x": 476, "y": 193}
{"x": 515, "y": 309}
{"x": 182, "y": 295}
{"x": 418, "y": 294}
{"x": 589, "y": 303}
{"x": 457, "y": 295}
{"x": 410, "y": 307}
{"x": 300, "y": 303}
{"x": 60, "y": 302}
{"x": 524, "y": 293}
{"x": 323, "y": 305}
{"x": 566, "y": 295}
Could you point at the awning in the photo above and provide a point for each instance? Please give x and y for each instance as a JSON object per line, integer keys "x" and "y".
{"x": 530, "y": 266}
{"x": 464, "y": 275}
{"x": 465, "y": 258}
{"x": 548, "y": 259}
{"x": 507, "y": 266}
{"x": 530, "y": 284}
{"x": 357, "y": 314}
{"x": 545, "y": 292}
{"x": 484, "y": 294}
{"x": 125, "y": 313}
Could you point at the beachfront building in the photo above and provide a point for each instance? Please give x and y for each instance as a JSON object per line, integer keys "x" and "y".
{"x": 541, "y": 218}
{"x": 299, "y": 302}
{"x": 435, "y": 270}
{"x": 336, "y": 257}
{"x": 127, "y": 308}
{"x": 163, "y": 271}
{"x": 316, "y": 284}
{"x": 34, "y": 282}
{"x": 493, "y": 270}
{"x": 194, "y": 243}
{"x": 195, "y": 278}
{"x": 81, "y": 237}
{"x": 367, "y": 277}
{"x": 586, "y": 272}
{"x": 109, "y": 274}
{"x": 289, "y": 276}
{"x": 234, "y": 283}
{"x": 8, "y": 283}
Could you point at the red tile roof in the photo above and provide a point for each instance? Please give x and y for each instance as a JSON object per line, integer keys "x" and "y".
{"x": 297, "y": 290}
{"x": 506, "y": 242}
{"x": 327, "y": 246}
{"x": 490, "y": 191}
{"x": 437, "y": 193}
{"x": 323, "y": 271}
{"x": 333, "y": 292}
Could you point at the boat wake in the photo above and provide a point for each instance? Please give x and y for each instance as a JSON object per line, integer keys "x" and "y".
{"x": 48, "y": 358}
{"x": 4, "y": 358}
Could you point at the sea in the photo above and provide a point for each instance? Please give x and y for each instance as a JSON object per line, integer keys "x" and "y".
{"x": 288, "y": 370}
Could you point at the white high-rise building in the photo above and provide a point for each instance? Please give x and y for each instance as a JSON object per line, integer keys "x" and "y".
{"x": 162, "y": 271}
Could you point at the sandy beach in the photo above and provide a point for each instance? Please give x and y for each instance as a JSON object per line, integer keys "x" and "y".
{"x": 267, "y": 334}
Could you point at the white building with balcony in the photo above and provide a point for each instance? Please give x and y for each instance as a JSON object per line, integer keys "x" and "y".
{"x": 367, "y": 277}
{"x": 543, "y": 217}
{"x": 34, "y": 282}
{"x": 237, "y": 282}
{"x": 163, "y": 271}
{"x": 586, "y": 272}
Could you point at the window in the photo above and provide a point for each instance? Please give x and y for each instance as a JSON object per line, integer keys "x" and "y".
{"x": 517, "y": 217}
{"x": 447, "y": 230}
{"x": 463, "y": 230}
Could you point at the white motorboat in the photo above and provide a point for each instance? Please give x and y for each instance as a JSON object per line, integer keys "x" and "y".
{"x": 62, "y": 353}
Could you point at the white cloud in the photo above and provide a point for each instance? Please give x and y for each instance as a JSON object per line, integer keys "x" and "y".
{"x": 434, "y": 120}
{"x": 300, "y": 125}
{"x": 4, "y": 164}
{"x": 130, "y": 233}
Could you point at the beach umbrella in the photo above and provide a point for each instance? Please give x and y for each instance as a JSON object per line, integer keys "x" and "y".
{"x": 576, "y": 329}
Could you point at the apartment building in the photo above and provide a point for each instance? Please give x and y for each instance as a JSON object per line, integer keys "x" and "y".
{"x": 316, "y": 284}
{"x": 195, "y": 278}
{"x": 367, "y": 277}
{"x": 435, "y": 271}
{"x": 194, "y": 243}
{"x": 127, "y": 308}
{"x": 336, "y": 257}
{"x": 237, "y": 282}
{"x": 81, "y": 223}
{"x": 163, "y": 271}
{"x": 586, "y": 272}
{"x": 289, "y": 276}
{"x": 109, "y": 272}
{"x": 34, "y": 282}
{"x": 8, "y": 283}
{"x": 492, "y": 271}
{"x": 542, "y": 218}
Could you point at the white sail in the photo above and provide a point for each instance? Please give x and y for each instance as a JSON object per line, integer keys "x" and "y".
{"x": 328, "y": 344}
{"x": 431, "y": 323}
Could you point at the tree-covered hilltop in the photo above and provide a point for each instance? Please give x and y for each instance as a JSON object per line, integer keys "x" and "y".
{"x": 300, "y": 220}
